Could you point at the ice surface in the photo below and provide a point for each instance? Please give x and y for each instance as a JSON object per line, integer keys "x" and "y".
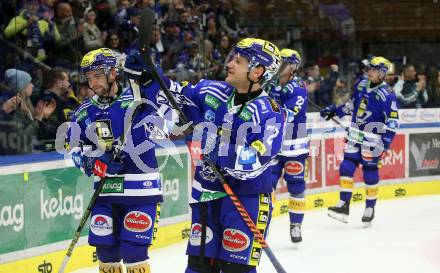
{"x": 404, "y": 238}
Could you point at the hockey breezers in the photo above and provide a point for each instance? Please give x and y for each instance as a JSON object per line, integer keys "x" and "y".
{"x": 147, "y": 18}
{"x": 237, "y": 203}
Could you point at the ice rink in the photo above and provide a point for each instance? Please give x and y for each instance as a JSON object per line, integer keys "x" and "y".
{"x": 404, "y": 238}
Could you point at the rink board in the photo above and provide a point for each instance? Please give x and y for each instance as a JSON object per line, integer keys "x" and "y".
{"x": 85, "y": 256}
{"x": 410, "y": 168}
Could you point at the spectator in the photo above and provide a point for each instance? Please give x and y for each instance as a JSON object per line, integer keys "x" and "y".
{"x": 176, "y": 8}
{"x": 212, "y": 32}
{"x": 20, "y": 119}
{"x": 69, "y": 49}
{"x": 84, "y": 92}
{"x": 320, "y": 90}
{"x": 130, "y": 28}
{"x": 46, "y": 11}
{"x": 411, "y": 89}
{"x": 33, "y": 33}
{"x": 158, "y": 46}
{"x": 57, "y": 88}
{"x": 121, "y": 13}
{"x": 227, "y": 17}
{"x": 91, "y": 33}
{"x": 433, "y": 87}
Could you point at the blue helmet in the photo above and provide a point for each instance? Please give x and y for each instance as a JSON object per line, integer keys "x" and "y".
{"x": 260, "y": 52}
{"x": 102, "y": 58}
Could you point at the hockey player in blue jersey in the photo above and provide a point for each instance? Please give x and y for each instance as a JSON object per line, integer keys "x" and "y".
{"x": 124, "y": 219}
{"x": 291, "y": 93}
{"x": 374, "y": 122}
{"x": 248, "y": 137}
{"x": 240, "y": 128}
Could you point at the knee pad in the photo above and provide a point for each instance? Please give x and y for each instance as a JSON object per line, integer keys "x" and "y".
{"x": 140, "y": 267}
{"x": 208, "y": 265}
{"x": 371, "y": 176}
{"x": 108, "y": 254}
{"x": 347, "y": 168}
{"x": 228, "y": 267}
{"x": 296, "y": 186}
{"x": 110, "y": 268}
{"x": 132, "y": 252}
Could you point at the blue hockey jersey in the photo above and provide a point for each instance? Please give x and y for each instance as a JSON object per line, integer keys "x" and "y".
{"x": 375, "y": 116}
{"x": 243, "y": 144}
{"x": 96, "y": 124}
{"x": 293, "y": 97}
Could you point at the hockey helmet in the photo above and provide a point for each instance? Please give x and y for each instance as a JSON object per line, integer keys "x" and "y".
{"x": 380, "y": 63}
{"x": 102, "y": 58}
{"x": 291, "y": 56}
{"x": 260, "y": 52}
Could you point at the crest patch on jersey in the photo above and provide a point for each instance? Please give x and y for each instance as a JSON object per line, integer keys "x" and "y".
{"x": 105, "y": 134}
{"x": 274, "y": 106}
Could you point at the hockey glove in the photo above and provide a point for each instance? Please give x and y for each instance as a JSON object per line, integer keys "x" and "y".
{"x": 328, "y": 112}
{"x": 136, "y": 69}
{"x": 101, "y": 166}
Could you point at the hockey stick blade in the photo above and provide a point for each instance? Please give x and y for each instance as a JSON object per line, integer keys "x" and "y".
{"x": 146, "y": 28}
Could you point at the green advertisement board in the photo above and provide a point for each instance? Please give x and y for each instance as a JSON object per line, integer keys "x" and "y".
{"x": 45, "y": 206}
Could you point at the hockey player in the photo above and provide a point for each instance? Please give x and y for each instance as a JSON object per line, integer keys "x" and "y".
{"x": 235, "y": 106}
{"x": 374, "y": 122}
{"x": 124, "y": 219}
{"x": 240, "y": 127}
{"x": 291, "y": 93}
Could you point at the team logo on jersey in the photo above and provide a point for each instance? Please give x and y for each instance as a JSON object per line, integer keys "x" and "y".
{"x": 210, "y": 116}
{"x": 235, "y": 240}
{"x": 294, "y": 167}
{"x": 105, "y": 133}
{"x": 101, "y": 225}
{"x": 362, "y": 107}
{"x": 247, "y": 156}
{"x": 195, "y": 237}
{"x": 137, "y": 221}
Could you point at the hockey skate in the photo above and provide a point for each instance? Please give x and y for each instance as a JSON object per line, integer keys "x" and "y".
{"x": 368, "y": 216}
{"x": 340, "y": 211}
{"x": 295, "y": 233}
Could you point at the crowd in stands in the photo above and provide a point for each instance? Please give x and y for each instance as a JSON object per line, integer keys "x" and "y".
{"x": 43, "y": 41}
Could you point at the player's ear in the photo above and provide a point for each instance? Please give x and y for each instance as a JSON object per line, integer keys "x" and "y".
{"x": 257, "y": 73}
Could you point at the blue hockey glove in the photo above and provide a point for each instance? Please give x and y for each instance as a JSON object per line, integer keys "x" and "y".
{"x": 135, "y": 68}
{"x": 328, "y": 112}
{"x": 101, "y": 166}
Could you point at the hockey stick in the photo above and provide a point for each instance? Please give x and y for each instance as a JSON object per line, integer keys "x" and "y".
{"x": 320, "y": 108}
{"x": 237, "y": 203}
{"x": 144, "y": 38}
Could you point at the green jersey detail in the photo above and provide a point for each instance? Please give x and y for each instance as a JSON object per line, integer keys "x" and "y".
{"x": 212, "y": 101}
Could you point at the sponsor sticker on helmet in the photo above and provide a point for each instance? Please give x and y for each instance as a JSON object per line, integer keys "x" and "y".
{"x": 195, "y": 238}
{"x": 235, "y": 240}
{"x": 294, "y": 167}
{"x": 137, "y": 221}
{"x": 101, "y": 225}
